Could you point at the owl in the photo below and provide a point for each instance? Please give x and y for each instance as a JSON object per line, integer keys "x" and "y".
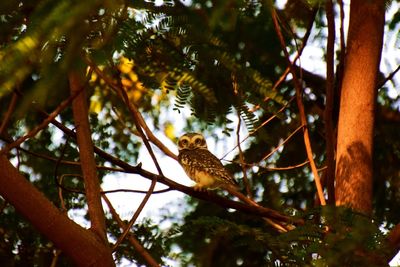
{"x": 200, "y": 164}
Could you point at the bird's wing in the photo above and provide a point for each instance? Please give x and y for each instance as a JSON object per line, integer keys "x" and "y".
{"x": 215, "y": 167}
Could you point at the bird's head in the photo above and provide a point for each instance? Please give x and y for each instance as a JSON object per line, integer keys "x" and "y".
{"x": 192, "y": 141}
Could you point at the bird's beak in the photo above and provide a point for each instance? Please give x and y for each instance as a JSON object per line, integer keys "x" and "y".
{"x": 191, "y": 146}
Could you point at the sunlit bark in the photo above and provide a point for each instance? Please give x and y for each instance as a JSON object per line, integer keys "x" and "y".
{"x": 357, "y": 105}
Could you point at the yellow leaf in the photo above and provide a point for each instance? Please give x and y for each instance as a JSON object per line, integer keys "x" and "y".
{"x": 126, "y": 83}
{"x": 133, "y": 76}
{"x": 169, "y": 130}
{"x": 125, "y": 65}
{"x": 96, "y": 104}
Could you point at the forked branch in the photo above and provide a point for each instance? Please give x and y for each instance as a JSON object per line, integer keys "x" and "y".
{"x": 299, "y": 99}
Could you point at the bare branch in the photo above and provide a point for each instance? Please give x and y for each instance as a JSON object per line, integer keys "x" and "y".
{"x": 10, "y": 110}
{"x": 135, "y": 243}
{"x": 300, "y": 105}
{"x": 388, "y": 78}
{"x": 241, "y": 159}
{"x": 299, "y": 51}
{"x": 276, "y": 168}
{"x": 137, "y": 212}
{"x": 277, "y": 225}
{"x": 288, "y": 167}
{"x": 282, "y": 143}
{"x": 259, "y": 127}
{"x": 136, "y": 191}
{"x": 42, "y": 125}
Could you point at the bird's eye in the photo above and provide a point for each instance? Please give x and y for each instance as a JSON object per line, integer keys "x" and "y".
{"x": 184, "y": 142}
{"x": 197, "y": 141}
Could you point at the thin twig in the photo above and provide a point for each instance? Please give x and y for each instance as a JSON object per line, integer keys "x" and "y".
{"x": 10, "y": 110}
{"x": 282, "y": 143}
{"x": 153, "y": 138}
{"x": 299, "y": 51}
{"x": 60, "y": 191}
{"x": 64, "y": 162}
{"x": 270, "y": 118}
{"x": 136, "y": 214}
{"x": 277, "y": 225}
{"x": 241, "y": 159}
{"x": 136, "y": 191}
{"x": 42, "y": 125}
{"x": 132, "y": 239}
{"x": 123, "y": 124}
{"x": 69, "y": 162}
{"x": 124, "y": 190}
{"x": 300, "y": 105}
{"x": 60, "y": 179}
{"x": 249, "y": 165}
{"x": 237, "y": 92}
{"x": 259, "y": 127}
{"x": 61, "y": 197}
{"x": 389, "y": 77}
{"x": 287, "y": 167}
{"x": 56, "y": 255}
{"x": 282, "y": 77}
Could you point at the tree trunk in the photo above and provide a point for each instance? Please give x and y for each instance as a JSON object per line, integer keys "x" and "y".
{"x": 357, "y": 105}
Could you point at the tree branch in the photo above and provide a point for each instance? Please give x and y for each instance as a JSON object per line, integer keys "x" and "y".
{"x": 7, "y": 115}
{"x": 300, "y": 105}
{"x": 138, "y": 120}
{"x": 282, "y": 143}
{"x": 393, "y": 241}
{"x": 389, "y": 77}
{"x": 84, "y": 140}
{"x": 299, "y": 51}
{"x": 81, "y": 245}
{"x": 135, "y": 114}
{"x": 132, "y": 239}
{"x": 259, "y": 127}
{"x": 207, "y": 196}
{"x": 42, "y": 125}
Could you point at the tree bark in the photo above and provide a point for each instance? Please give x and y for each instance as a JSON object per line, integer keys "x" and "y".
{"x": 357, "y": 105}
{"x": 86, "y": 152}
{"x": 81, "y": 245}
{"x": 328, "y": 114}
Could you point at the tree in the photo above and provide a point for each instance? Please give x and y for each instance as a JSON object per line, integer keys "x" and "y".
{"x": 84, "y": 87}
